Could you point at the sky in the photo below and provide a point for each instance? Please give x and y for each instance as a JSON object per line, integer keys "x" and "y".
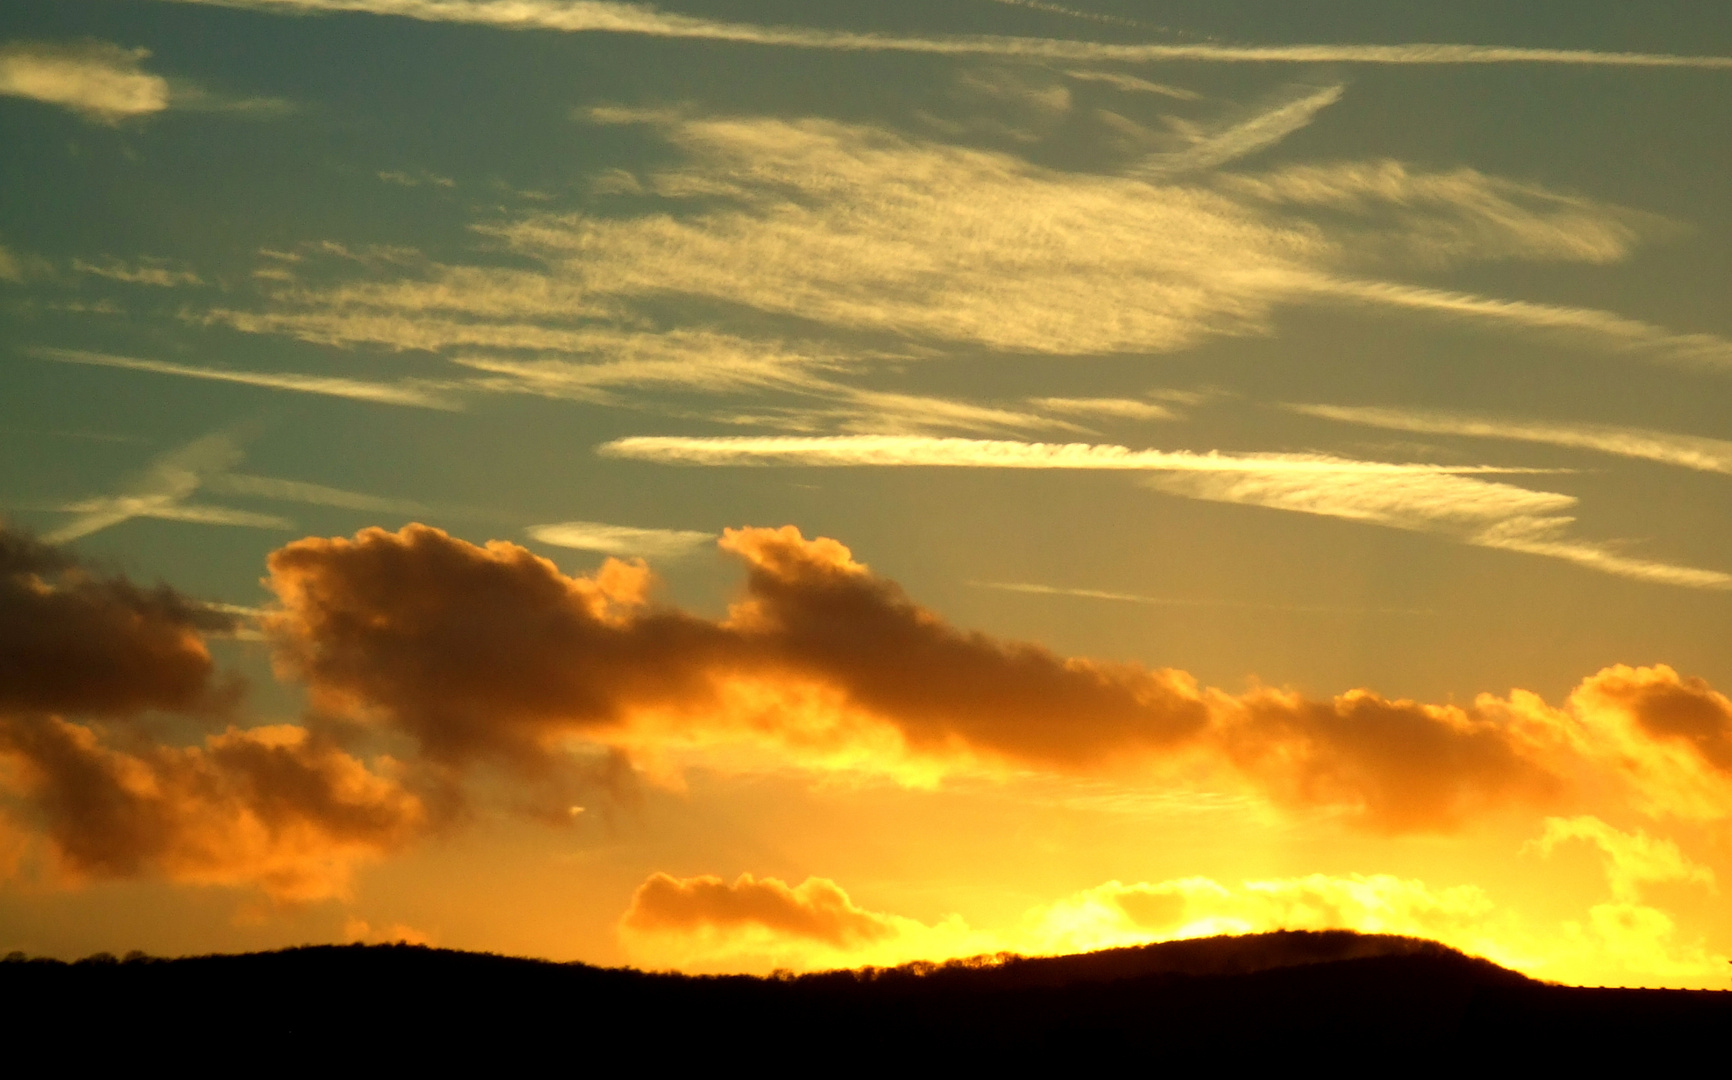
{"x": 745, "y": 484}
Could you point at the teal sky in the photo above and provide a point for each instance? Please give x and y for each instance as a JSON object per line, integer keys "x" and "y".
{"x": 1437, "y": 343}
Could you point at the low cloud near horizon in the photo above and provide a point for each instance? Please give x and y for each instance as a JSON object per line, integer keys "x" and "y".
{"x": 490, "y": 658}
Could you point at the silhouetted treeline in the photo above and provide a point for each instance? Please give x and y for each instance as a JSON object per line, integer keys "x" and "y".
{"x": 1356, "y": 998}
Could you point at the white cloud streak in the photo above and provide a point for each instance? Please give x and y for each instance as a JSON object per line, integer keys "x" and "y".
{"x": 161, "y": 491}
{"x": 911, "y": 450}
{"x": 1685, "y": 451}
{"x": 146, "y": 273}
{"x": 1446, "y": 217}
{"x": 1130, "y": 84}
{"x": 1446, "y": 500}
{"x": 1590, "y": 325}
{"x": 718, "y": 364}
{"x": 1034, "y": 589}
{"x": 602, "y": 16}
{"x": 864, "y": 231}
{"x": 1261, "y": 131}
{"x": 266, "y": 487}
{"x": 1478, "y": 512}
{"x": 621, "y": 539}
{"x": 1109, "y": 408}
{"x": 416, "y": 394}
{"x": 168, "y": 481}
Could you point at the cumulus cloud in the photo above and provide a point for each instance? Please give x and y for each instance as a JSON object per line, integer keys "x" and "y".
{"x": 823, "y": 663}
{"x": 707, "y": 923}
{"x": 100, "y": 81}
{"x": 610, "y": 16}
{"x": 273, "y": 807}
{"x": 816, "y": 634}
{"x": 1669, "y": 735}
{"x": 74, "y": 641}
{"x": 817, "y": 908}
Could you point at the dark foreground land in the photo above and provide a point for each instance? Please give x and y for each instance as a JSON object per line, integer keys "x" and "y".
{"x": 1369, "y": 999}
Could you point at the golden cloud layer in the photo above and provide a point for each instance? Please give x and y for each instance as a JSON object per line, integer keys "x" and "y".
{"x": 490, "y": 657}
{"x": 491, "y": 653}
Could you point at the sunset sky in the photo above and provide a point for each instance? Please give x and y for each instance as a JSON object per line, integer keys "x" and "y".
{"x": 743, "y": 484}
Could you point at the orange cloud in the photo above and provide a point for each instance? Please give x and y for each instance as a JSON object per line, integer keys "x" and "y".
{"x": 269, "y": 806}
{"x": 492, "y": 653}
{"x": 275, "y": 806}
{"x": 71, "y": 641}
{"x": 816, "y": 909}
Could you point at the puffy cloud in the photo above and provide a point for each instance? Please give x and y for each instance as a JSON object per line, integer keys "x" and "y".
{"x": 71, "y": 641}
{"x": 756, "y": 924}
{"x": 273, "y": 806}
{"x": 269, "y": 806}
{"x": 491, "y": 653}
{"x": 1665, "y": 737}
{"x": 1400, "y": 765}
{"x": 102, "y": 82}
{"x": 817, "y": 908}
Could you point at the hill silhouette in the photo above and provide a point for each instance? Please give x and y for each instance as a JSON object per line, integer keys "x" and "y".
{"x": 1226, "y": 999}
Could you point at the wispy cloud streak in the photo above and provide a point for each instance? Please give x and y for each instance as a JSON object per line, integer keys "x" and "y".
{"x": 414, "y": 394}
{"x": 914, "y": 450}
{"x": 161, "y": 491}
{"x": 1263, "y": 130}
{"x": 1604, "y": 328}
{"x": 599, "y": 16}
{"x": 621, "y": 539}
{"x": 1035, "y": 589}
{"x": 266, "y": 487}
{"x": 1478, "y": 512}
{"x": 1446, "y": 500}
{"x": 1686, "y": 451}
